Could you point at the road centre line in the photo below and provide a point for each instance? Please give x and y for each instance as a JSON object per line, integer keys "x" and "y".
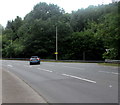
{"x": 29, "y": 66}
{"x": 45, "y": 70}
{"x": 79, "y": 78}
{"x": 10, "y": 65}
{"x": 50, "y": 65}
{"x": 73, "y": 67}
{"x": 68, "y": 67}
{"x": 109, "y": 72}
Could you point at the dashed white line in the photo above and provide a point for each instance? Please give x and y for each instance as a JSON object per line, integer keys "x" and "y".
{"x": 50, "y": 65}
{"x": 79, "y": 78}
{"x": 74, "y": 67}
{"x": 109, "y": 72}
{"x": 10, "y": 65}
{"x": 27, "y": 66}
{"x": 45, "y": 70}
{"x": 68, "y": 67}
{"x": 110, "y": 86}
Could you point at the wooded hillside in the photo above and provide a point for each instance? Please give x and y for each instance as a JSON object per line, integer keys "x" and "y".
{"x": 89, "y": 34}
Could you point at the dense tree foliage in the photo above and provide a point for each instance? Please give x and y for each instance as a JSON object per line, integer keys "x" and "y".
{"x": 1, "y": 29}
{"x": 88, "y": 34}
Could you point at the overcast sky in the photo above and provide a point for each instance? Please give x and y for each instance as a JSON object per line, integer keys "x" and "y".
{"x": 9, "y": 9}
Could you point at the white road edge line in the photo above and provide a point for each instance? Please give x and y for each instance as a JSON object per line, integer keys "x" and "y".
{"x": 79, "y": 78}
{"x": 109, "y": 72}
{"x": 45, "y": 70}
{"x": 10, "y": 65}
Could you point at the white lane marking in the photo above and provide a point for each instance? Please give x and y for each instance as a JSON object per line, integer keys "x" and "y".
{"x": 79, "y": 78}
{"x": 109, "y": 72}
{"x": 68, "y": 67}
{"x": 27, "y": 66}
{"x": 45, "y": 70}
{"x": 50, "y": 65}
{"x": 110, "y": 86}
{"x": 74, "y": 67}
{"x": 10, "y": 65}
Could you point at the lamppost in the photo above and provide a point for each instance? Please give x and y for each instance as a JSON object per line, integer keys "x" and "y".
{"x": 56, "y": 45}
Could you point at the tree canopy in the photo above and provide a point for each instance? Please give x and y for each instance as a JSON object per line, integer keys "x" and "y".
{"x": 89, "y": 34}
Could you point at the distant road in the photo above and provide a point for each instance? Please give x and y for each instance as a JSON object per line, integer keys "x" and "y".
{"x": 69, "y": 82}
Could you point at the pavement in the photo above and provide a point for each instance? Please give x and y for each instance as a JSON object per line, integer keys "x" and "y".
{"x": 14, "y": 90}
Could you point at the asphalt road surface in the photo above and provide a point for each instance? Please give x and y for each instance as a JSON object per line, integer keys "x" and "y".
{"x": 68, "y": 82}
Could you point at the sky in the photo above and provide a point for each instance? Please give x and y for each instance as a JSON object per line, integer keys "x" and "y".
{"x": 9, "y": 9}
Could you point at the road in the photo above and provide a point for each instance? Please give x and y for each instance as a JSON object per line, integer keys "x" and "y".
{"x": 0, "y": 82}
{"x": 68, "y": 82}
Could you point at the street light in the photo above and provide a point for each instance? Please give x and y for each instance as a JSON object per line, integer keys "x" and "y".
{"x": 56, "y": 45}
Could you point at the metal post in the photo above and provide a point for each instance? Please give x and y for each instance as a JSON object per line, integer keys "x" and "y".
{"x": 56, "y": 45}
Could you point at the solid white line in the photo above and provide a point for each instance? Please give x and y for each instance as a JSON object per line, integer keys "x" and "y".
{"x": 10, "y": 65}
{"x": 109, "y": 72}
{"x": 79, "y": 78}
{"x": 45, "y": 70}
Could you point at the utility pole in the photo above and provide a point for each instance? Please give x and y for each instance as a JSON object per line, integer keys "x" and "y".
{"x": 56, "y": 45}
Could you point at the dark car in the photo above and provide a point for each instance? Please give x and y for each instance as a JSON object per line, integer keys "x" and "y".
{"x": 34, "y": 60}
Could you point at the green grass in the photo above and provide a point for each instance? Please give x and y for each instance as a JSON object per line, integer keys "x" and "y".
{"x": 109, "y": 64}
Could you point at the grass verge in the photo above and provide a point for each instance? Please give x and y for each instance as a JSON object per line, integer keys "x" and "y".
{"x": 109, "y": 64}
